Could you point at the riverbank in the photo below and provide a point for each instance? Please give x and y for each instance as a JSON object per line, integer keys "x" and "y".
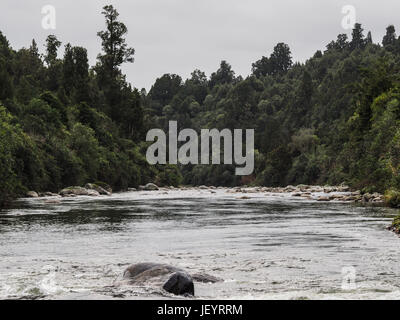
{"x": 340, "y": 193}
{"x": 395, "y": 226}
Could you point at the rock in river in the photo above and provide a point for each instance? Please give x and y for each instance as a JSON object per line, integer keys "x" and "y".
{"x": 172, "y": 279}
{"x": 77, "y": 191}
{"x": 149, "y": 187}
{"x": 32, "y": 194}
{"x": 100, "y": 190}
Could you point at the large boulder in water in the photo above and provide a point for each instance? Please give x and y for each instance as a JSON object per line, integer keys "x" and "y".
{"x": 172, "y": 279}
{"x": 150, "y": 187}
{"x": 77, "y": 191}
{"x": 179, "y": 283}
{"x": 99, "y": 189}
{"x": 32, "y": 194}
{"x": 92, "y": 190}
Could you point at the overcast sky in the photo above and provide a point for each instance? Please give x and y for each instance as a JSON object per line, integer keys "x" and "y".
{"x": 178, "y": 36}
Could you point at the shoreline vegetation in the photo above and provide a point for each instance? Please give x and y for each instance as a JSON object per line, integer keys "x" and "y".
{"x": 333, "y": 119}
{"x": 395, "y": 226}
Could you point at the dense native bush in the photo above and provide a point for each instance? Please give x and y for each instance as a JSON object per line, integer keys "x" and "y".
{"x": 64, "y": 124}
{"x": 333, "y": 119}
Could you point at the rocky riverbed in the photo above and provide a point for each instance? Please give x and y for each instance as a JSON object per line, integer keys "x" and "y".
{"x": 340, "y": 193}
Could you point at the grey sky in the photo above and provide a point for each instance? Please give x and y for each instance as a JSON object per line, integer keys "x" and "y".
{"x": 178, "y": 36}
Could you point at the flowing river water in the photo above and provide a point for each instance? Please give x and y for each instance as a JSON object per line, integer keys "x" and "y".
{"x": 267, "y": 246}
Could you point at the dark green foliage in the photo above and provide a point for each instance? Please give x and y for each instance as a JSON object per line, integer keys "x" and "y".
{"x": 116, "y": 51}
{"x": 395, "y": 227}
{"x": 11, "y": 139}
{"x": 392, "y": 199}
{"x": 340, "y": 44}
{"x": 121, "y": 103}
{"x": 169, "y": 175}
{"x": 76, "y": 73}
{"x": 330, "y": 120}
{"x": 390, "y": 38}
{"x": 333, "y": 119}
{"x": 358, "y": 41}
{"x": 52, "y": 45}
{"x": 224, "y": 74}
{"x": 62, "y": 124}
{"x": 279, "y": 62}
{"x": 281, "y": 58}
{"x": 164, "y": 89}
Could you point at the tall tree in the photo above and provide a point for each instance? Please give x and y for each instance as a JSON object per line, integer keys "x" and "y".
{"x": 281, "y": 58}
{"x": 340, "y": 44}
{"x": 342, "y": 41}
{"x": 198, "y": 77}
{"x": 68, "y": 69}
{"x": 390, "y": 37}
{"x": 81, "y": 74}
{"x": 76, "y": 72}
{"x": 279, "y": 62}
{"x": 224, "y": 74}
{"x": 115, "y": 49}
{"x": 52, "y": 45}
{"x": 54, "y": 71}
{"x": 33, "y": 49}
{"x": 369, "y": 38}
{"x": 261, "y": 67}
{"x": 357, "y": 41}
{"x": 197, "y": 85}
{"x": 123, "y": 103}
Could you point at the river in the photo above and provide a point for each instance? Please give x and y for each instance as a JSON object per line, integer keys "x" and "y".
{"x": 267, "y": 246}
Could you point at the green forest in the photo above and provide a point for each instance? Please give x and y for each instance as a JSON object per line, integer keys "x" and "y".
{"x": 332, "y": 119}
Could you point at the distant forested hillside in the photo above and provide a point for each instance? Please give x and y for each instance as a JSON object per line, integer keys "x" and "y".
{"x": 333, "y": 119}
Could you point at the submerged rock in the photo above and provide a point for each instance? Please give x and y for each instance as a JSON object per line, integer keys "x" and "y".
{"x": 172, "y": 279}
{"x": 336, "y": 197}
{"x": 205, "y": 278}
{"x": 54, "y": 201}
